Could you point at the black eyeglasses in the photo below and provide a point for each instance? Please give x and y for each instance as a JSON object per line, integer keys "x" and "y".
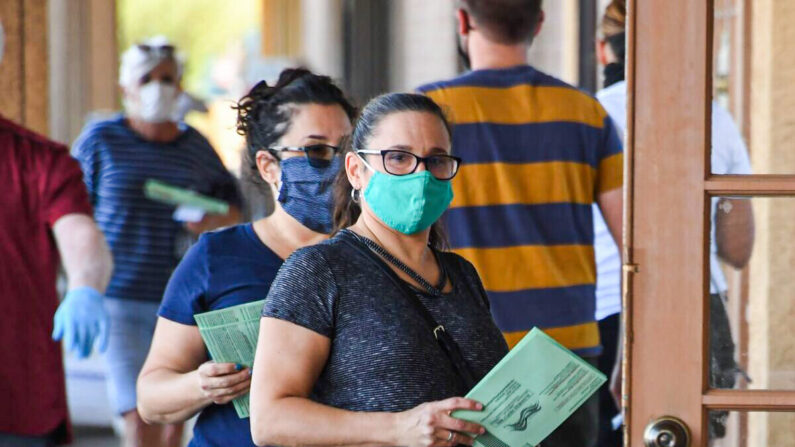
{"x": 398, "y": 162}
{"x": 318, "y": 155}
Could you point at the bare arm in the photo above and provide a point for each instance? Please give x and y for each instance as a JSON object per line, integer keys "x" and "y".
{"x": 84, "y": 253}
{"x": 289, "y": 360}
{"x": 734, "y": 231}
{"x": 175, "y": 382}
{"x": 616, "y": 380}
{"x": 611, "y": 204}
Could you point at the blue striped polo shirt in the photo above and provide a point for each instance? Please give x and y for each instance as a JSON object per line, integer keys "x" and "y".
{"x": 537, "y": 152}
{"x": 142, "y": 234}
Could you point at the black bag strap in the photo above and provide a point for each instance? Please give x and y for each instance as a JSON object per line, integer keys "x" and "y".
{"x": 445, "y": 341}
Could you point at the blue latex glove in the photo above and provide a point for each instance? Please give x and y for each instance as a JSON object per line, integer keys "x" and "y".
{"x": 80, "y": 320}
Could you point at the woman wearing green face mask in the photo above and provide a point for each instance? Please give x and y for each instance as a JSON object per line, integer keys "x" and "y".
{"x": 371, "y": 337}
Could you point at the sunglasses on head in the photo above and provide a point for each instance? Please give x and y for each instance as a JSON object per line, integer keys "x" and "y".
{"x": 162, "y": 50}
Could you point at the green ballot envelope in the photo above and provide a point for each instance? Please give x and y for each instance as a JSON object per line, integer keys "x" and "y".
{"x": 172, "y": 195}
{"x": 230, "y": 335}
{"x": 530, "y": 392}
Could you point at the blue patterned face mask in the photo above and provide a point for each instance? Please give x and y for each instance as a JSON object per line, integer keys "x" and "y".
{"x": 306, "y": 191}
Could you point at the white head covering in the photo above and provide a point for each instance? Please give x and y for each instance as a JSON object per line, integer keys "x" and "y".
{"x": 136, "y": 62}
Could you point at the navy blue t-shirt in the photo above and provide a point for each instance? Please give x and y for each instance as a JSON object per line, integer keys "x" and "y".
{"x": 142, "y": 234}
{"x": 223, "y": 269}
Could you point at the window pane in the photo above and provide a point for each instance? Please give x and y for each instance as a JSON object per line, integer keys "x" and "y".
{"x": 752, "y": 293}
{"x": 751, "y": 429}
{"x": 752, "y": 98}
{"x": 729, "y": 152}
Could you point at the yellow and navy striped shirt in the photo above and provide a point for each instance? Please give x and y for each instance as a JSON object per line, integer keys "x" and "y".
{"x": 537, "y": 152}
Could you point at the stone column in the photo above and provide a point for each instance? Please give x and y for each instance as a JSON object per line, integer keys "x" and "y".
{"x": 281, "y": 28}
{"x": 556, "y": 48}
{"x": 772, "y": 304}
{"x": 323, "y": 37}
{"x": 423, "y": 43}
{"x": 84, "y": 62}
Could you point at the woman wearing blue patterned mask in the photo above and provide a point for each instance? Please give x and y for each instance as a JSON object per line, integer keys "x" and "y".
{"x": 368, "y": 338}
{"x": 293, "y": 131}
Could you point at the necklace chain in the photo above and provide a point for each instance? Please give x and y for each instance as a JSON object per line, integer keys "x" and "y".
{"x": 381, "y": 251}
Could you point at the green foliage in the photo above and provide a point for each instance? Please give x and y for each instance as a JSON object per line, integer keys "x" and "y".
{"x": 201, "y": 29}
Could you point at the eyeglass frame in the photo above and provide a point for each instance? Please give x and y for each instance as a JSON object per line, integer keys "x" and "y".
{"x": 305, "y": 149}
{"x": 423, "y": 160}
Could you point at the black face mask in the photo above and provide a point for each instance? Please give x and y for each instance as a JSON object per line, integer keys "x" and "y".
{"x": 614, "y": 72}
{"x": 462, "y": 54}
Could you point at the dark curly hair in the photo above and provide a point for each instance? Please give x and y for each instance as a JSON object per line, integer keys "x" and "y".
{"x": 263, "y": 115}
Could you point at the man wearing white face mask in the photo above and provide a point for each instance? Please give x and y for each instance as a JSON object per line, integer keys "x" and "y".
{"x": 117, "y": 157}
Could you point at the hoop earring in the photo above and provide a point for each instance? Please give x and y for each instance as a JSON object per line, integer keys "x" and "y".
{"x": 355, "y": 195}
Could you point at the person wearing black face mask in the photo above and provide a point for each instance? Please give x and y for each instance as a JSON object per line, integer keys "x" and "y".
{"x": 293, "y": 130}
{"x": 731, "y": 242}
{"x": 529, "y": 137}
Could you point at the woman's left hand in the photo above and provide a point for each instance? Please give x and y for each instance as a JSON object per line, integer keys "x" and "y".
{"x": 430, "y": 424}
{"x": 223, "y": 382}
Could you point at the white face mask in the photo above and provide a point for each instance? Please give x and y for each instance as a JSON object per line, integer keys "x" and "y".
{"x": 156, "y": 103}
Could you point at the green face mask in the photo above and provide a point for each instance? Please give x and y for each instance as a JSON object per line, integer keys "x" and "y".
{"x": 408, "y": 203}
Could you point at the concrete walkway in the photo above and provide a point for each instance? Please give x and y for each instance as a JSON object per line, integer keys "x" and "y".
{"x": 95, "y": 437}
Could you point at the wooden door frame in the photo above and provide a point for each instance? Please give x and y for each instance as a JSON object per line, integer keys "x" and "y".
{"x": 667, "y": 219}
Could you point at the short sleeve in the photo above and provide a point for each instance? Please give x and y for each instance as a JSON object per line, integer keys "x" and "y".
{"x": 221, "y": 184}
{"x": 224, "y": 185}
{"x": 84, "y": 150}
{"x": 186, "y": 290}
{"x": 304, "y": 292}
{"x": 61, "y": 186}
{"x": 741, "y": 163}
{"x": 610, "y": 160}
{"x": 735, "y": 150}
{"x": 471, "y": 276}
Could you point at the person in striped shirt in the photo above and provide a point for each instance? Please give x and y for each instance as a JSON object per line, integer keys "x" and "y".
{"x": 118, "y": 156}
{"x": 537, "y": 153}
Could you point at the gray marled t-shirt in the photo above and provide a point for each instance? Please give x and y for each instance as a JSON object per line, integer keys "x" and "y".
{"x": 383, "y": 354}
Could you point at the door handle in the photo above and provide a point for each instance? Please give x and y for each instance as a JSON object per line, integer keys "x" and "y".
{"x": 666, "y": 431}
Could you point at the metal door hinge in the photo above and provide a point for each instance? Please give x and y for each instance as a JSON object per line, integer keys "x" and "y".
{"x": 630, "y": 268}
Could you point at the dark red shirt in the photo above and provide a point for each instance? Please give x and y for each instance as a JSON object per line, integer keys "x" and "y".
{"x": 39, "y": 183}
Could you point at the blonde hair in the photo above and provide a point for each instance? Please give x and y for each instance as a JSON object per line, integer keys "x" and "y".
{"x": 614, "y": 20}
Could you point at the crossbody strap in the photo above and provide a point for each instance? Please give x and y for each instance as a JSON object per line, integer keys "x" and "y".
{"x": 444, "y": 340}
